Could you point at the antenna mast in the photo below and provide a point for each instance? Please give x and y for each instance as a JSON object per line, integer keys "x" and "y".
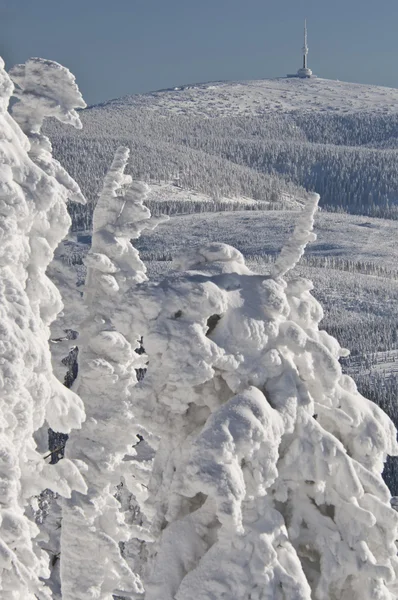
{"x": 304, "y": 72}
{"x": 305, "y": 47}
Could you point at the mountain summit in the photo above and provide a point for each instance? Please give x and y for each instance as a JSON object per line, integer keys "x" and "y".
{"x": 259, "y": 97}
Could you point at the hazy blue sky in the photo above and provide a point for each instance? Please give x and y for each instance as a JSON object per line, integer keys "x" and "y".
{"x": 118, "y": 47}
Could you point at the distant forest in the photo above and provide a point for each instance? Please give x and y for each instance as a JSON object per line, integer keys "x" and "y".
{"x": 350, "y": 160}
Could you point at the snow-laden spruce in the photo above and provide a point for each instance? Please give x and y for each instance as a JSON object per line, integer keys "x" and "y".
{"x": 46, "y": 89}
{"x": 33, "y": 221}
{"x": 93, "y": 525}
{"x": 266, "y": 483}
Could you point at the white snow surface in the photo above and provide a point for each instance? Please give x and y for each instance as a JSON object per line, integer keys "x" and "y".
{"x": 258, "y": 97}
{"x": 33, "y": 221}
{"x": 169, "y": 192}
{"x": 267, "y": 479}
{"x": 351, "y": 237}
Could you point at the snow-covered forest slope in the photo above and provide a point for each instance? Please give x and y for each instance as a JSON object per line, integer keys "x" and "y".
{"x": 264, "y": 140}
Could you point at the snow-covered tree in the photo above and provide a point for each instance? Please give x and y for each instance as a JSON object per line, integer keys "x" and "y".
{"x": 33, "y": 221}
{"x": 267, "y": 479}
{"x": 45, "y": 88}
{"x": 93, "y": 525}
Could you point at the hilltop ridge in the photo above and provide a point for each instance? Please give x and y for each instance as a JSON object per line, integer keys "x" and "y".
{"x": 257, "y": 97}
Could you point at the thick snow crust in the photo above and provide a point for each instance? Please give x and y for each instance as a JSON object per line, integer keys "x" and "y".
{"x": 33, "y": 221}
{"x": 266, "y": 482}
{"x": 93, "y": 524}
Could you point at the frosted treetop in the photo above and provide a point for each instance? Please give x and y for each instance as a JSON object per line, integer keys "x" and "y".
{"x": 51, "y": 90}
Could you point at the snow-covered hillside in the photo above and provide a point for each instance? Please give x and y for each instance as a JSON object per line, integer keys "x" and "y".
{"x": 260, "y": 233}
{"x": 257, "y": 98}
{"x": 257, "y": 139}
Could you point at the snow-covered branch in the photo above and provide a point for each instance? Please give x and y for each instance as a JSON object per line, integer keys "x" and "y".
{"x": 302, "y": 235}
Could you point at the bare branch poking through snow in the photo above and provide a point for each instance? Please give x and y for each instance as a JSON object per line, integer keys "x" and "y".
{"x": 302, "y": 235}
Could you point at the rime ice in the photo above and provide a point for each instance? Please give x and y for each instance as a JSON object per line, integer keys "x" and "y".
{"x": 33, "y": 221}
{"x": 266, "y": 482}
{"x": 93, "y": 525}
